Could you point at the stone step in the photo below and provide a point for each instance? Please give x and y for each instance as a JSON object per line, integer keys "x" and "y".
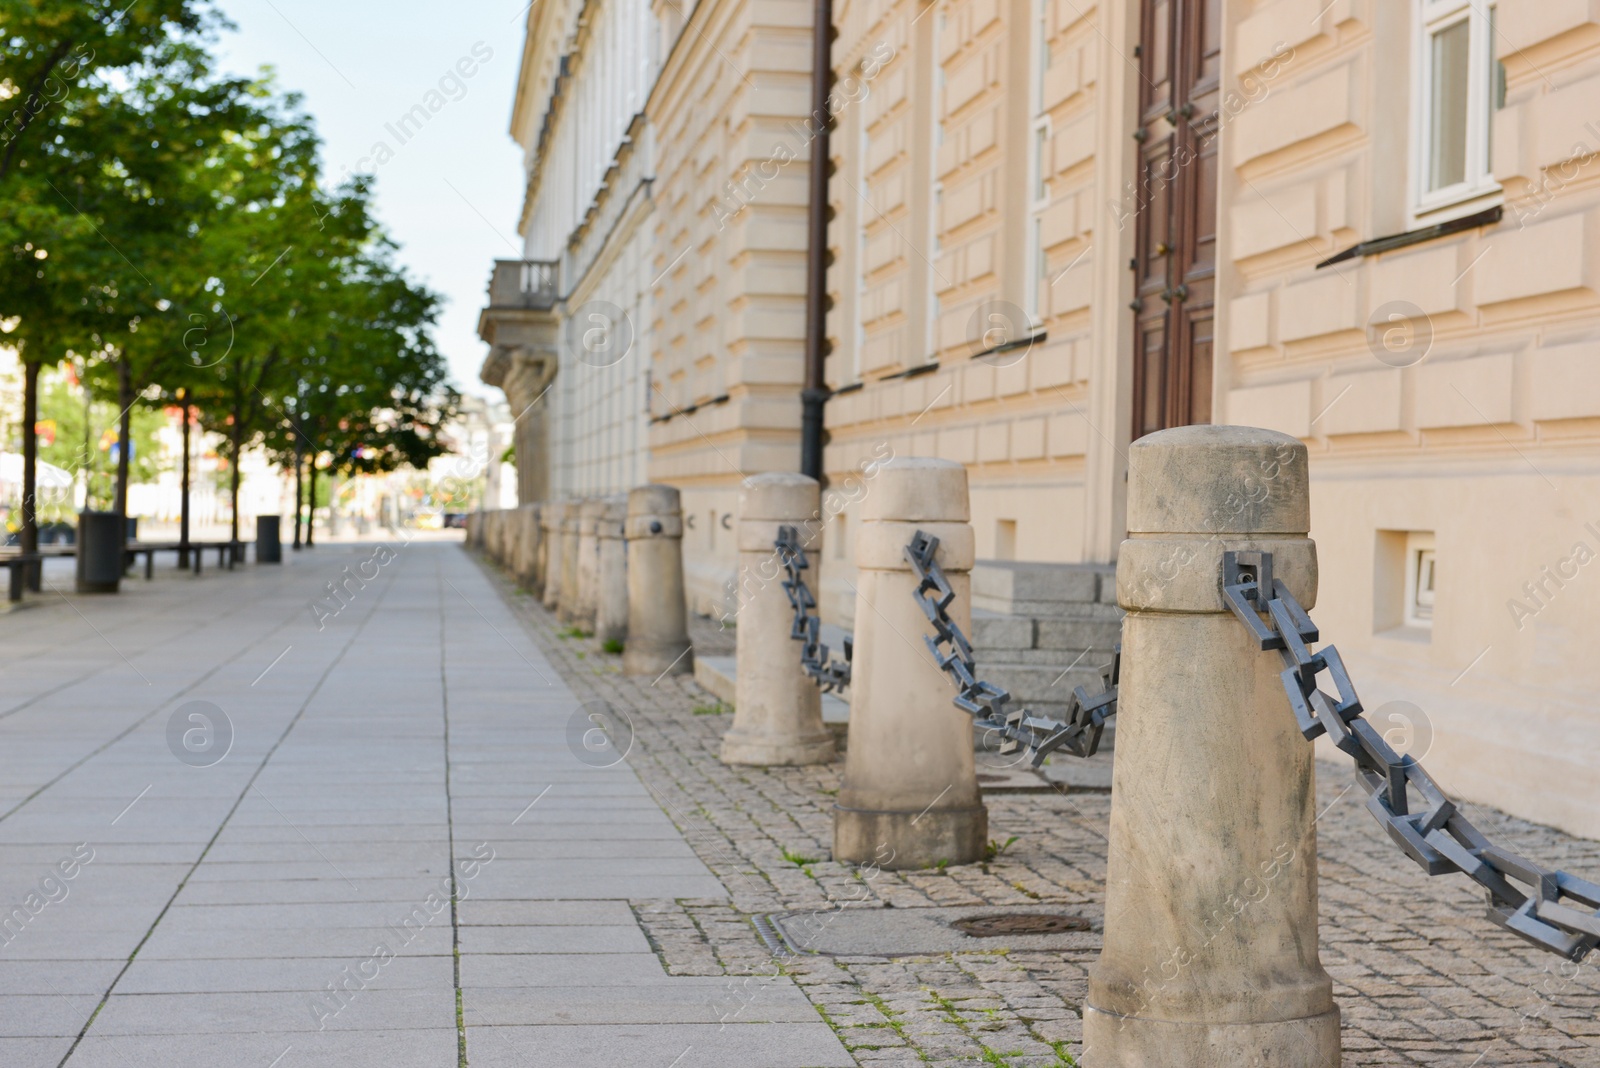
{"x": 1092, "y": 774}
{"x": 999, "y": 659}
{"x": 1038, "y": 590}
{"x": 1078, "y": 634}
{"x": 1016, "y": 640}
{"x": 1031, "y": 684}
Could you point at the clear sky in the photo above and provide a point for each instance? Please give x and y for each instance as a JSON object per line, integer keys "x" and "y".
{"x": 449, "y": 192}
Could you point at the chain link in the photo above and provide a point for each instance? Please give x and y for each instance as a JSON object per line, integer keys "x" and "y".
{"x": 807, "y": 628}
{"x": 984, "y": 701}
{"x": 1433, "y": 833}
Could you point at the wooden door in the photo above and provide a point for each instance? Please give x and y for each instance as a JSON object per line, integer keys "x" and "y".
{"x": 1180, "y": 60}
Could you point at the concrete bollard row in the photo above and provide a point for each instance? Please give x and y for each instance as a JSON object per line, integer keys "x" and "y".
{"x": 1210, "y": 953}
{"x": 509, "y": 537}
{"x": 580, "y": 557}
{"x": 777, "y": 715}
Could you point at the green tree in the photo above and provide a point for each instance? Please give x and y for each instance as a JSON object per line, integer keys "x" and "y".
{"x": 60, "y": 62}
{"x": 370, "y": 386}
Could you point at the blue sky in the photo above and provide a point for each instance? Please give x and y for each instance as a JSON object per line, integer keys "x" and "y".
{"x": 450, "y": 191}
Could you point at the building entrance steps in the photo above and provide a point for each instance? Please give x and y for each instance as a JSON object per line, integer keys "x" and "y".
{"x": 1038, "y": 658}
{"x": 1039, "y": 630}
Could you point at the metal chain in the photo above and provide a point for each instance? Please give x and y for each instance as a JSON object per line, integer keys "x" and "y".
{"x": 1437, "y": 836}
{"x": 984, "y": 701}
{"x": 807, "y": 628}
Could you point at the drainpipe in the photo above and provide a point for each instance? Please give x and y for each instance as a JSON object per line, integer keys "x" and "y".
{"x": 815, "y": 393}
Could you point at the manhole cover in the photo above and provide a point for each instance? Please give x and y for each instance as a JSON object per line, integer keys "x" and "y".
{"x": 1019, "y": 923}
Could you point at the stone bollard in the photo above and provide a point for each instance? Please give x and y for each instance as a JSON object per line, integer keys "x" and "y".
{"x": 910, "y": 793}
{"x": 552, "y": 520}
{"x": 1210, "y": 951}
{"x": 611, "y": 607}
{"x": 777, "y": 716}
{"x": 567, "y": 598}
{"x": 513, "y": 523}
{"x": 590, "y": 514}
{"x": 527, "y": 543}
{"x": 658, "y": 617}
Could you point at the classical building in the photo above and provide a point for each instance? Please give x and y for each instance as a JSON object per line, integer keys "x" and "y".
{"x": 1057, "y": 225}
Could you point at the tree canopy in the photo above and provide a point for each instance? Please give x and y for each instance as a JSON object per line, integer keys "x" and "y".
{"x": 170, "y": 229}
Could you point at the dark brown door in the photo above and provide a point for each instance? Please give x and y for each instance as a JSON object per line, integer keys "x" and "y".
{"x": 1180, "y": 60}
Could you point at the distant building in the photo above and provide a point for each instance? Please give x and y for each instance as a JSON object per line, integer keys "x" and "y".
{"x": 1058, "y": 226}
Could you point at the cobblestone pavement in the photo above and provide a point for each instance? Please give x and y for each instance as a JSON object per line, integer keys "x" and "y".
{"x": 1422, "y": 978}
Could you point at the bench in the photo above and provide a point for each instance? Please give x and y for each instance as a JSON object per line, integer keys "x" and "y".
{"x": 24, "y": 568}
{"x": 27, "y": 570}
{"x": 225, "y": 554}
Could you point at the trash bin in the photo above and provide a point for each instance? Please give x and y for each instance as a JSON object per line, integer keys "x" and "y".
{"x": 133, "y": 528}
{"x": 100, "y": 552}
{"x": 269, "y": 540}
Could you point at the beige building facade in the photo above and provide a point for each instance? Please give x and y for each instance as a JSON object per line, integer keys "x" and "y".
{"x": 1056, "y": 226}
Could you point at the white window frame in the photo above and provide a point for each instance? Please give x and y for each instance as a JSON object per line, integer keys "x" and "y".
{"x": 935, "y": 251}
{"x": 935, "y": 186}
{"x": 863, "y": 152}
{"x": 1478, "y": 190}
{"x": 1038, "y": 167}
{"x": 1420, "y": 554}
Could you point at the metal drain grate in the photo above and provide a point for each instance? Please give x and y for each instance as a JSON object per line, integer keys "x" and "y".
{"x": 1019, "y": 923}
{"x": 771, "y": 936}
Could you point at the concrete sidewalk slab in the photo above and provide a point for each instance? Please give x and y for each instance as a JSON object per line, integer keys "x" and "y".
{"x": 291, "y": 901}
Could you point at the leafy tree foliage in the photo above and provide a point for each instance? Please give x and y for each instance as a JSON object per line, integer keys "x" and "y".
{"x": 168, "y": 227}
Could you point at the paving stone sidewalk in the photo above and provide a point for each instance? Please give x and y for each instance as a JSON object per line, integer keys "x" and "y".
{"x": 379, "y": 845}
{"x": 1422, "y": 978}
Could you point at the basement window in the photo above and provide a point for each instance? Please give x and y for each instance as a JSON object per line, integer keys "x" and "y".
{"x": 1404, "y": 581}
{"x": 1419, "y": 581}
{"x": 1005, "y": 539}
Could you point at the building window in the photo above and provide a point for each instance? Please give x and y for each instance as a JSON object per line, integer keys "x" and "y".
{"x": 1005, "y": 539}
{"x": 1038, "y": 169}
{"x": 935, "y": 251}
{"x": 1459, "y": 86}
{"x": 864, "y": 200}
{"x": 1419, "y": 580}
{"x": 1403, "y": 584}
{"x": 1042, "y": 63}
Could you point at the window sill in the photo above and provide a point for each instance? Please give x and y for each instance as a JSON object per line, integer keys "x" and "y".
{"x": 1458, "y": 206}
{"x": 1486, "y": 217}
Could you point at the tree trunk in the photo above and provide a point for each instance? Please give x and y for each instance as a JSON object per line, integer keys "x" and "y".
{"x": 311, "y": 504}
{"x": 124, "y": 437}
{"x": 88, "y": 437}
{"x": 30, "y": 457}
{"x": 299, "y": 490}
{"x": 238, "y": 447}
{"x": 183, "y": 507}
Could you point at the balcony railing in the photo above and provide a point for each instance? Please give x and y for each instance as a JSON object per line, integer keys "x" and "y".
{"x": 523, "y": 284}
